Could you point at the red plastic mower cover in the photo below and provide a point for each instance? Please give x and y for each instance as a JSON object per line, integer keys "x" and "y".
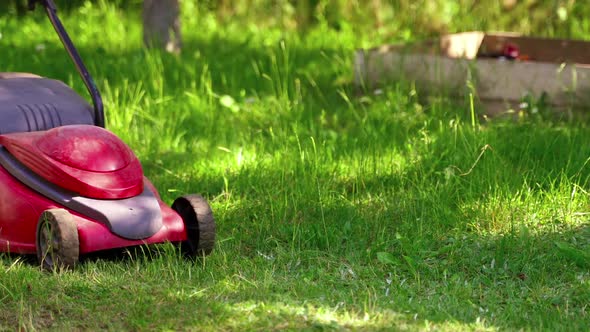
{"x": 84, "y": 159}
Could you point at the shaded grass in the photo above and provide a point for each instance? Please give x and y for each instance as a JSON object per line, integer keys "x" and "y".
{"x": 336, "y": 209}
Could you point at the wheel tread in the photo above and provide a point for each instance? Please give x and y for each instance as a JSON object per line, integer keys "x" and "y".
{"x": 64, "y": 227}
{"x": 196, "y": 208}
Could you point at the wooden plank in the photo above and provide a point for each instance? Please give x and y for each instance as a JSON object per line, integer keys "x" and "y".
{"x": 539, "y": 49}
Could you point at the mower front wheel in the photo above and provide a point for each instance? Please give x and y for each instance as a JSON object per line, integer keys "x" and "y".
{"x": 199, "y": 224}
{"x": 57, "y": 241}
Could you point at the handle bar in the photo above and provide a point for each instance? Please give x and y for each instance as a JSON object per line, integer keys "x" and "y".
{"x": 51, "y": 11}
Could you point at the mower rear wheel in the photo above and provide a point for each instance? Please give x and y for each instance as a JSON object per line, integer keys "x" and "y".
{"x": 199, "y": 224}
{"x": 57, "y": 241}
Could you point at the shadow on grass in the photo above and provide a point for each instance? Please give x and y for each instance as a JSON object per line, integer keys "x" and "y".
{"x": 435, "y": 236}
{"x": 435, "y": 229}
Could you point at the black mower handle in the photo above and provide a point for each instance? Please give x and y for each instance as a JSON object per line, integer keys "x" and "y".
{"x": 51, "y": 11}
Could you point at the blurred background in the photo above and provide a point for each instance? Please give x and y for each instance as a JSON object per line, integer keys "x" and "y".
{"x": 383, "y": 19}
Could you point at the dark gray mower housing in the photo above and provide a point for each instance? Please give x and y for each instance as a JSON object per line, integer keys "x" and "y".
{"x": 32, "y": 103}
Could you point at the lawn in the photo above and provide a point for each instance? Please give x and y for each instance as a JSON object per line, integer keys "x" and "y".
{"x": 337, "y": 209}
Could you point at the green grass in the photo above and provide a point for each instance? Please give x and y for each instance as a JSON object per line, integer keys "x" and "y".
{"x": 336, "y": 210}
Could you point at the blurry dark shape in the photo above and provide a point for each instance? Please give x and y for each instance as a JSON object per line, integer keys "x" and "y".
{"x": 510, "y": 51}
{"x": 307, "y": 12}
{"x": 161, "y": 25}
{"x": 18, "y": 7}
{"x": 21, "y": 7}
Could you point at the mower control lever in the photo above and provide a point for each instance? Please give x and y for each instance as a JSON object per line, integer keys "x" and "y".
{"x": 51, "y": 11}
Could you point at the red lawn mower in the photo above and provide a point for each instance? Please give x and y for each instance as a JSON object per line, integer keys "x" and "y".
{"x": 69, "y": 187}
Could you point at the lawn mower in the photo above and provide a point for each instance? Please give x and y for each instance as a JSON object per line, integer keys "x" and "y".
{"x": 69, "y": 187}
